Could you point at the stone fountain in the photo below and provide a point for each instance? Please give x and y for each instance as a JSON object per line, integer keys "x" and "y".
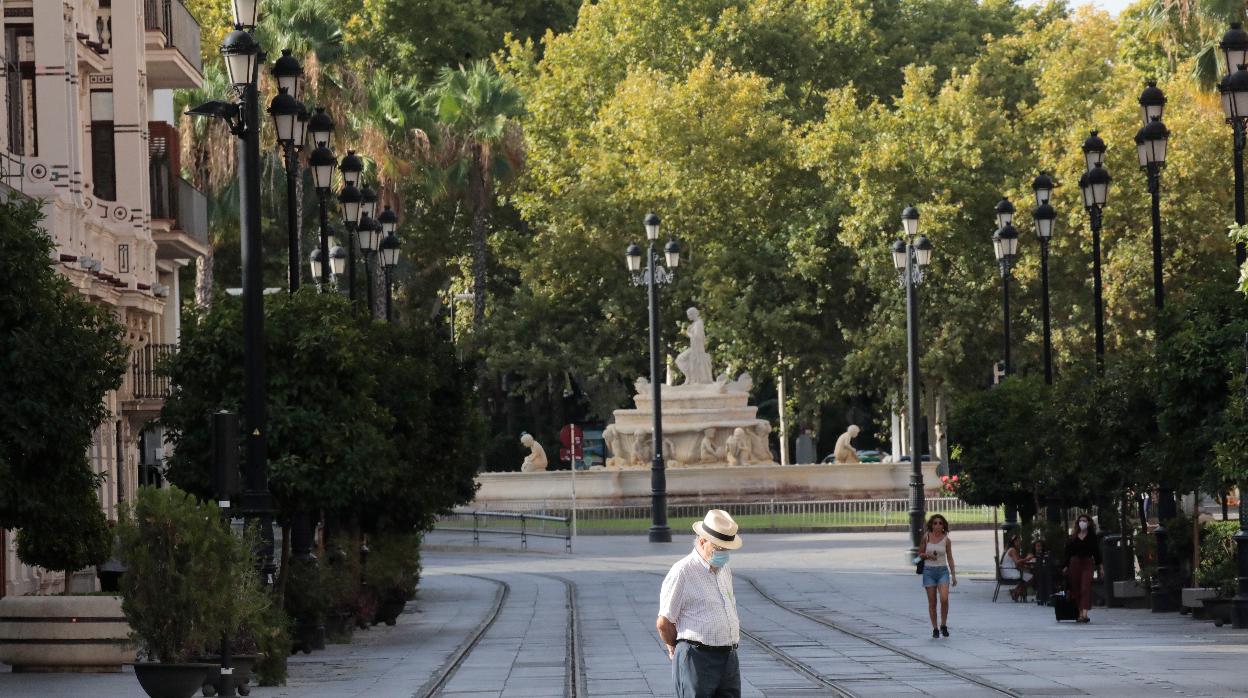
{"x": 706, "y": 422}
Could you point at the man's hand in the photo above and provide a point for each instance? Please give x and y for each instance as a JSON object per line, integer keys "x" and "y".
{"x": 667, "y": 635}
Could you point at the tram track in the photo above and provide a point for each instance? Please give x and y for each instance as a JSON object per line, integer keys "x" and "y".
{"x": 881, "y": 644}
{"x": 439, "y": 680}
{"x": 575, "y": 684}
{"x": 574, "y": 674}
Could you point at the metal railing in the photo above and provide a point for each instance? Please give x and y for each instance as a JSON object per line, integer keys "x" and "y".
{"x": 145, "y": 380}
{"x": 181, "y": 30}
{"x": 506, "y": 522}
{"x": 839, "y": 514}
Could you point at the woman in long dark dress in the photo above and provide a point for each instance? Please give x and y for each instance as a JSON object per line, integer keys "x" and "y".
{"x": 1083, "y": 556}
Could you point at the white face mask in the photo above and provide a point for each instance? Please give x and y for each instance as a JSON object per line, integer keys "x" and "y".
{"x": 1083, "y": 525}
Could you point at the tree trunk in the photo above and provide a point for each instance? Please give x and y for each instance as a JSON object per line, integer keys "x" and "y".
{"x": 203, "y": 278}
{"x": 479, "y": 199}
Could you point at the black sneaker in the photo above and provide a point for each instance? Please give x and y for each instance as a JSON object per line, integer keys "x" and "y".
{"x": 935, "y": 634}
{"x": 944, "y": 631}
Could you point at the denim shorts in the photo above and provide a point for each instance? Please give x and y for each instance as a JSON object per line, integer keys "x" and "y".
{"x": 935, "y": 576}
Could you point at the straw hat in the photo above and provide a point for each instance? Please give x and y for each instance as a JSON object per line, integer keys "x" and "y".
{"x": 719, "y": 528}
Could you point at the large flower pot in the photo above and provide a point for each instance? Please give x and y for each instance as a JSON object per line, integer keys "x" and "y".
{"x": 242, "y": 665}
{"x": 64, "y": 633}
{"x": 161, "y": 680}
{"x": 389, "y": 609}
{"x": 338, "y": 626}
{"x": 1219, "y": 610}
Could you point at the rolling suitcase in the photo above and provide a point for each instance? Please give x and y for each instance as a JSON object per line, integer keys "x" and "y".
{"x": 1063, "y": 607}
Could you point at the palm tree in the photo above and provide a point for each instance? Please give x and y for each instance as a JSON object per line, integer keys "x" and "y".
{"x": 474, "y": 145}
{"x": 1189, "y": 29}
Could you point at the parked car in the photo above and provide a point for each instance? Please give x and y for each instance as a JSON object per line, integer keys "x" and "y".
{"x": 864, "y": 456}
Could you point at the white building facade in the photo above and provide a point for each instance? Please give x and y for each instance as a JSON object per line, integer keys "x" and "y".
{"x": 90, "y": 130}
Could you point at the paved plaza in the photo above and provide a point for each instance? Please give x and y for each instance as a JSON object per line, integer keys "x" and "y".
{"x": 822, "y": 615}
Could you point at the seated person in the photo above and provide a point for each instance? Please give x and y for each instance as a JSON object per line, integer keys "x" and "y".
{"x": 1015, "y": 566}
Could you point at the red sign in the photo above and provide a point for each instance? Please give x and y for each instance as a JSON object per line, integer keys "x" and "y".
{"x": 572, "y": 437}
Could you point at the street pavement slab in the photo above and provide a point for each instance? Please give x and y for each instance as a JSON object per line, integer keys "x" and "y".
{"x": 818, "y": 609}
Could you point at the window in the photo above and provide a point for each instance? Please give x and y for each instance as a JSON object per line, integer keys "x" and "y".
{"x": 103, "y": 146}
{"x": 19, "y": 71}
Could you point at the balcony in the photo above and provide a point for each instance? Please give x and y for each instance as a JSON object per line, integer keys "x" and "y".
{"x": 146, "y": 381}
{"x": 179, "y": 210}
{"x": 172, "y": 41}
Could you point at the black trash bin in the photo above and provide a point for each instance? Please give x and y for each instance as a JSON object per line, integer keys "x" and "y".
{"x": 1113, "y": 555}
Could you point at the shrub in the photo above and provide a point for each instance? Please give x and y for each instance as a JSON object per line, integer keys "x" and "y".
{"x": 178, "y": 593}
{"x": 394, "y": 565}
{"x": 1217, "y": 557}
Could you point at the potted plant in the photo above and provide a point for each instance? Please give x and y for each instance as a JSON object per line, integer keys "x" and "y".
{"x": 180, "y": 563}
{"x": 307, "y": 601}
{"x": 393, "y": 572}
{"x": 244, "y": 611}
{"x": 1218, "y": 570}
{"x": 342, "y": 586}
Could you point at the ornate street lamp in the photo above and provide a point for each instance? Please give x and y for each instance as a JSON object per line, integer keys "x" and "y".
{"x": 1045, "y": 218}
{"x": 389, "y": 252}
{"x": 652, "y": 277}
{"x": 322, "y": 162}
{"x": 1094, "y": 185}
{"x": 289, "y": 123}
{"x": 1005, "y": 245}
{"x": 911, "y": 255}
{"x": 245, "y": 12}
{"x": 289, "y": 74}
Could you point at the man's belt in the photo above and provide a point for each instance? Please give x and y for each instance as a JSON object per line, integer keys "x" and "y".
{"x": 709, "y": 648}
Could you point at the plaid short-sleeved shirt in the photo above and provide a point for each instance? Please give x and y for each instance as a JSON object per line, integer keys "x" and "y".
{"x": 700, "y": 603}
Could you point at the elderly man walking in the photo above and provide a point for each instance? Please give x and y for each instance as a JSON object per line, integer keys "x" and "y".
{"x": 698, "y": 614}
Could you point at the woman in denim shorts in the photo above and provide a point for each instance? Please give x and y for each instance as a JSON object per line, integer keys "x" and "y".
{"x": 938, "y": 570}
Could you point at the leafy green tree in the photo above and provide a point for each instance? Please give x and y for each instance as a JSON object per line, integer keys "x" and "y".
{"x": 351, "y": 410}
{"x": 59, "y": 355}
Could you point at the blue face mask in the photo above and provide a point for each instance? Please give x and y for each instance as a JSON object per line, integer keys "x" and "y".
{"x": 719, "y": 558}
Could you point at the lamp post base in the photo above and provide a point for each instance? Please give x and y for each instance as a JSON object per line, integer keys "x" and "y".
{"x": 660, "y": 534}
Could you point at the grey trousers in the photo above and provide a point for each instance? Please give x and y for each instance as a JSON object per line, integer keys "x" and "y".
{"x": 703, "y": 673}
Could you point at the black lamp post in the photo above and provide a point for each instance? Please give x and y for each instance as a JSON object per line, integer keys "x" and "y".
{"x": 652, "y": 277}
{"x": 1094, "y": 185}
{"x": 1150, "y": 143}
{"x": 386, "y": 225}
{"x": 350, "y": 198}
{"x": 1239, "y": 605}
{"x": 368, "y": 232}
{"x": 337, "y": 263}
{"x": 322, "y": 163}
{"x": 911, "y": 256}
{"x": 1044, "y": 217}
{"x": 1234, "y": 89}
{"x": 1005, "y": 245}
{"x": 290, "y": 123}
{"x": 389, "y": 251}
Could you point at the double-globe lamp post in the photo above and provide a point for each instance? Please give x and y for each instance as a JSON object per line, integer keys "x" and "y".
{"x": 290, "y": 124}
{"x": 911, "y": 255}
{"x": 1044, "y": 216}
{"x": 1234, "y": 89}
{"x": 1005, "y": 246}
{"x": 652, "y": 277}
{"x": 243, "y": 57}
{"x": 1094, "y": 185}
